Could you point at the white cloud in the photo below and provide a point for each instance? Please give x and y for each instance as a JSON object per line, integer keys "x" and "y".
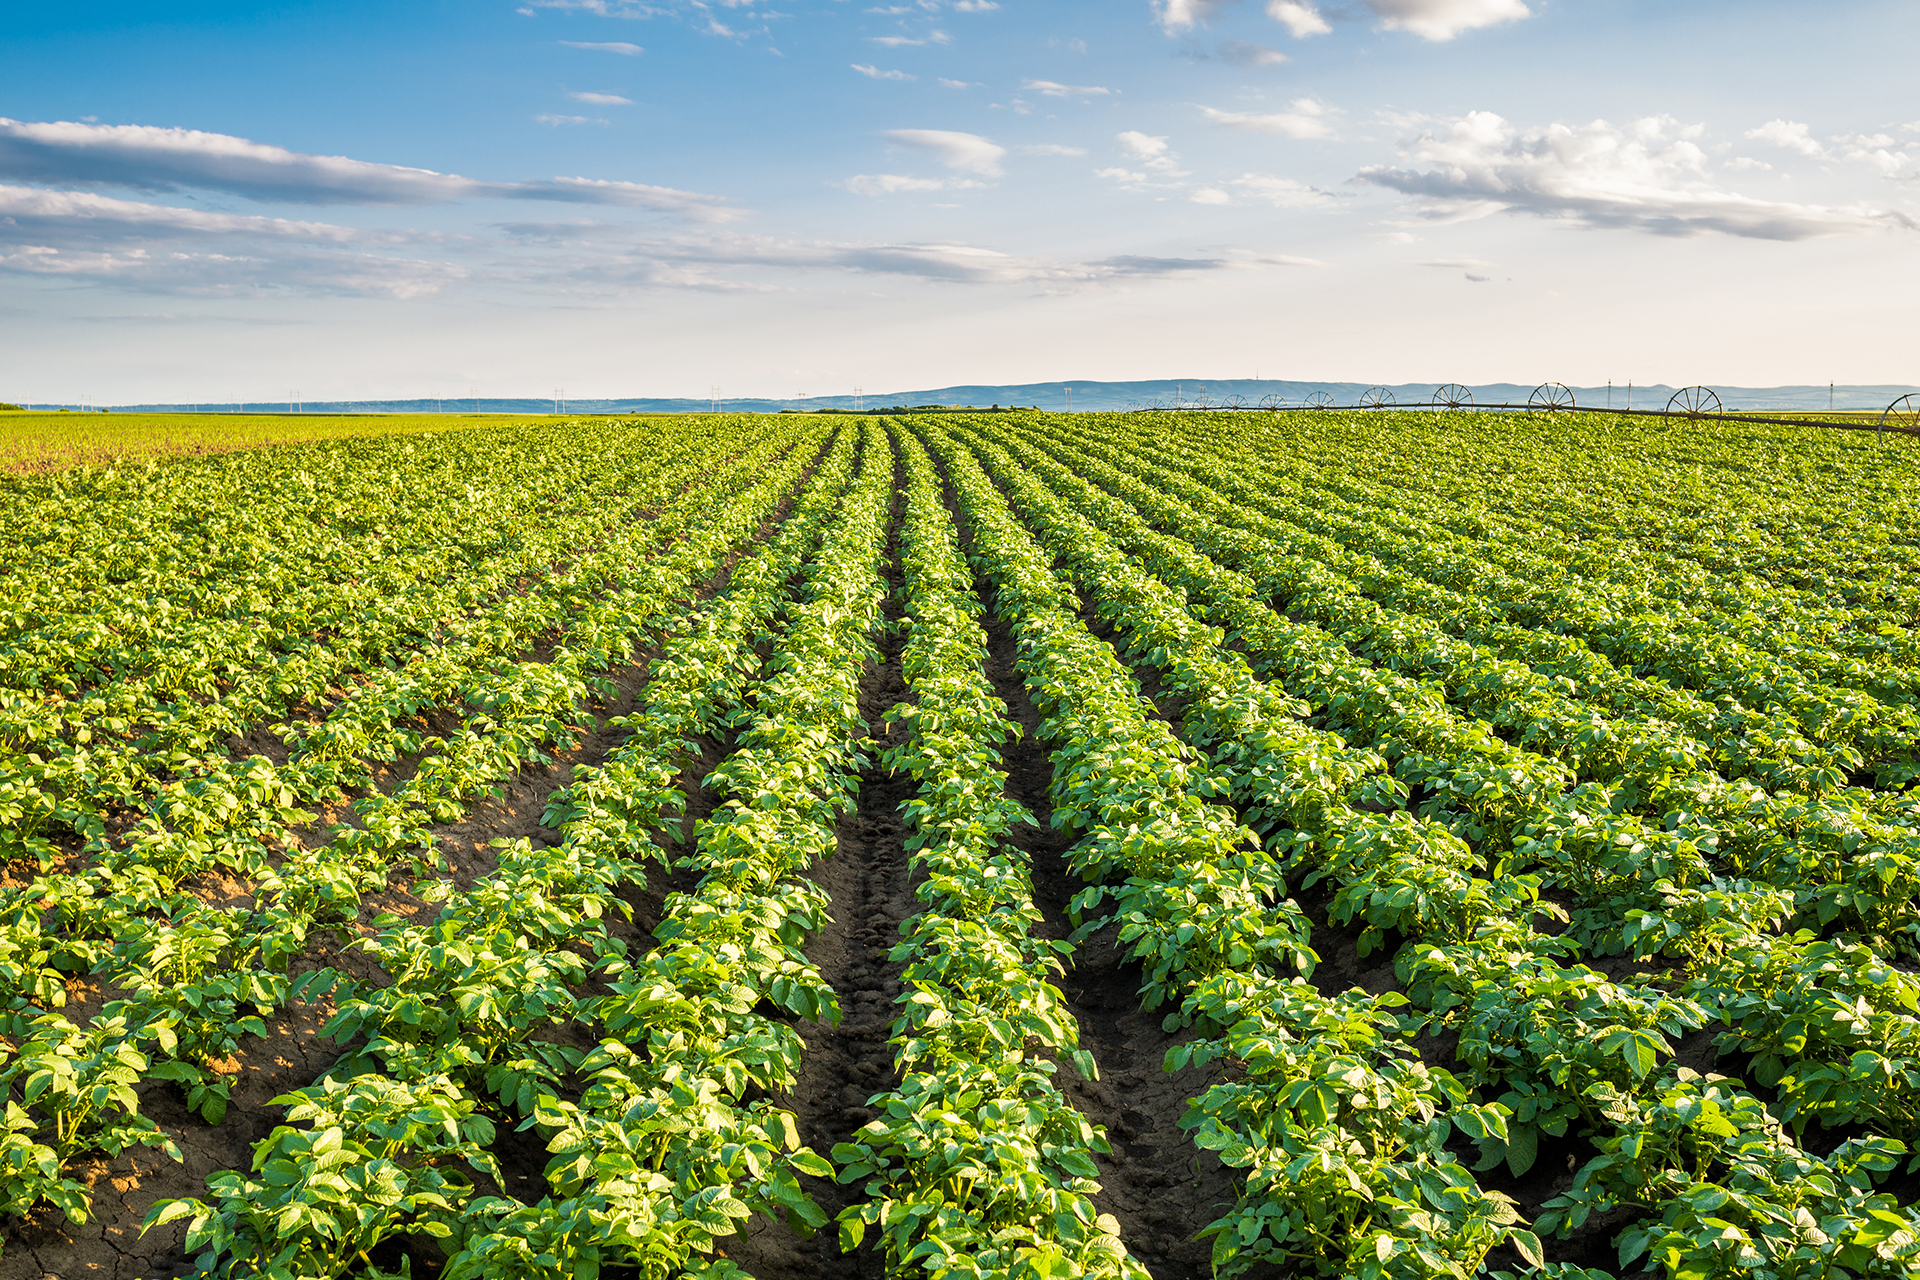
{"x": 607, "y": 46}
{"x": 144, "y": 157}
{"x": 1648, "y": 177}
{"x": 1305, "y": 118}
{"x": 958, "y": 84}
{"x": 1210, "y": 195}
{"x": 602, "y": 99}
{"x": 1053, "y": 89}
{"x": 965, "y": 151}
{"x": 1875, "y": 149}
{"x": 976, "y": 6}
{"x": 1301, "y": 20}
{"x": 1790, "y": 135}
{"x": 1179, "y": 15}
{"x": 1445, "y": 19}
{"x": 875, "y": 73}
{"x": 1051, "y": 149}
{"x": 1241, "y": 53}
{"x": 555, "y": 121}
{"x": 1150, "y": 152}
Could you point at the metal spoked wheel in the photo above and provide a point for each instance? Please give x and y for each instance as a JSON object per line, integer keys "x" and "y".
{"x": 1902, "y": 415}
{"x": 1550, "y": 396}
{"x": 1319, "y": 400}
{"x": 1453, "y": 396}
{"x": 1273, "y": 400}
{"x": 1376, "y": 398}
{"x": 1695, "y": 402}
{"x": 1236, "y": 402}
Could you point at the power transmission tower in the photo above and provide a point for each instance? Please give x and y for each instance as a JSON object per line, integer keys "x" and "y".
{"x": 713, "y": 393}
{"x": 859, "y": 398}
{"x": 1069, "y": 399}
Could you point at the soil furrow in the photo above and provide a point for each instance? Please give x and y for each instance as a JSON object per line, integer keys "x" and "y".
{"x": 843, "y": 1067}
{"x": 1155, "y": 1182}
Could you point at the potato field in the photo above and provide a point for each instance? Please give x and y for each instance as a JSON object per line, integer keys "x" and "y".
{"x": 1377, "y": 845}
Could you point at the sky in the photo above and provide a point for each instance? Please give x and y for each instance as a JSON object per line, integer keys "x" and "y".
{"x": 354, "y": 200}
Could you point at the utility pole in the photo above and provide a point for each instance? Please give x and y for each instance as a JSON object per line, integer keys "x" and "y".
{"x": 1609, "y": 393}
{"x": 1629, "y": 393}
{"x": 1829, "y": 397}
{"x": 1176, "y": 395}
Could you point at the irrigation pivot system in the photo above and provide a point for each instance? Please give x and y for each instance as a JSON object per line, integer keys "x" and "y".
{"x": 1694, "y": 403}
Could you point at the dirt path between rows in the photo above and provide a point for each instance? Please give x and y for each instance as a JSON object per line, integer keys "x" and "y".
{"x": 843, "y": 1067}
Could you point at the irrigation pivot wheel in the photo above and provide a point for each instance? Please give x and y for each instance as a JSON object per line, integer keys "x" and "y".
{"x": 1318, "y": 400}
{"x": 1453, "y": 396}
{"x": 1236, "y": 402}
{"x": 1376, "y": 398}
{"x": 1902, "y": 415}
{"x": 1550, "y": 396}
{"x": 1272, "y": 400}
{"x": 1695, "y": 402}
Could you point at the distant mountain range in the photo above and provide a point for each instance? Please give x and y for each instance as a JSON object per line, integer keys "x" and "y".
{"x": 1090, "y": 396}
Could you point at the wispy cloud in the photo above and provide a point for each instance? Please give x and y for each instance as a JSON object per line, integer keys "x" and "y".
{"x": 1428, "y": 19}
{"x": 606, "y": 46}
{"x": 1305, "y": 119}
{"x": 1242, "y": 53}
{"x": 875, "y": 73}
{"x": 148, "y": 158}
{"x": 1649, "y": 176}
{"x": 1875, "y": 149}
{"x": 887, "y": 184}
{"x": 900, "y": 42}
{"x": 553, "y": 121}
{"x": 158, "y": 248}
{"x": 964, "y": 151}
{"x": 1259, "y": 188}
{"x": 1051, "y": 149}
{"x": 1053, "y": 89}
{"x": 602, "y": 99}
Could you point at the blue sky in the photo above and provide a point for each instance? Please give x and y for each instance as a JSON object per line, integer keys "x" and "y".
{"x": 357, "y": 200}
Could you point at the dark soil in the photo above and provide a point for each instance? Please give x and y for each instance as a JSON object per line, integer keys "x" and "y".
{"x": 1161, "y": 1188}
{"x": 844, "y": 1066}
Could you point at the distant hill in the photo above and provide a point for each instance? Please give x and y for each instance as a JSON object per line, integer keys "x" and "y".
{"x": 1086, "y": 395}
